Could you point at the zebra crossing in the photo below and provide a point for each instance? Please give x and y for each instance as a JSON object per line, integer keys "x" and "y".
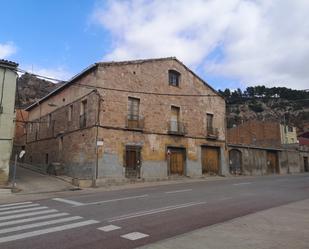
{"x": 26, "y": 219}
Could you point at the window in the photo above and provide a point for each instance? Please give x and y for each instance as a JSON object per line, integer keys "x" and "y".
{"x": 133, "y": 108}
{"x": 70, "y": 113}
{"x": 175, "y": 111}
{"x": 210, "y": 118}
{"x": 30, "y": 127}
{"x": 290, "y": 129}
{"x": 83, "y": 114}
{"x": 48, "y": 120}
{"x": 173, "y": 78}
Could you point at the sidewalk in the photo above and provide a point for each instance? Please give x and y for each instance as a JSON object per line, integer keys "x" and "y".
{"x": 283, "y": 227}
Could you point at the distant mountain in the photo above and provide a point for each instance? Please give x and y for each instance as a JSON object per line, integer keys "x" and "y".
{"x": 273, "y": 104}
{"x": 31, "y": 88}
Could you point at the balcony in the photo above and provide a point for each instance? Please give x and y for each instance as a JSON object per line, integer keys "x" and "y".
{"x": 134, "y": 122}
{"x": 176, "y": 128}
{"x": 212, "y": 133}
{"x": 82, "y": 121}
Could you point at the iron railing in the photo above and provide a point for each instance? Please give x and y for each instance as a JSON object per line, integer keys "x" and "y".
{"x": 176, "y": 128}
{"x": 212, "y": 132}
{"x": 135, "y": 122}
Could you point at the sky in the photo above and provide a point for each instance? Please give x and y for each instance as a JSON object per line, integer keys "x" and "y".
{"x": 229, "y": 43}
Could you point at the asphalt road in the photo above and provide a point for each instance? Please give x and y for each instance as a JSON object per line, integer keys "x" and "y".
{"x": 134, "y": 217}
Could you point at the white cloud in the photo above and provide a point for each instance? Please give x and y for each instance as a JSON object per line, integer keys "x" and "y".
{"x": 260, "y": 41}
{"x": 7, "y": 49}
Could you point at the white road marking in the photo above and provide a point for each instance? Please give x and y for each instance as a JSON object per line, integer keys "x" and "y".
{"x": 13, "y": 222}
{"x": 178, "y": 191}
{"x": 242, "y": 183}
{"x": 225, "y": 198}
{"x": 109, "y": 228}
{"x": 47, "y": 230}
{"x": 39, "y": 224}
{"x": 74, "y": 203}
{"x": 113, "y": 200}
{"x": 22, "y": 210}
{"x": 17, "y": 207}
{"x": 16, "y": 216}
{"x": 154, "y": 211}
{"x": 15, "y": 204}
{"x": 134, "y": 236}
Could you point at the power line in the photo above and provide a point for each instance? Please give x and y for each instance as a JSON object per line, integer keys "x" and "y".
{"x": 151, "y": 93}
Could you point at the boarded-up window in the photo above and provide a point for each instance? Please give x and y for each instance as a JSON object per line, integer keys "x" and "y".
{"x": 175, "y": 111}
{"x": 210, "y": 118}
{"x": 133, "y": 108}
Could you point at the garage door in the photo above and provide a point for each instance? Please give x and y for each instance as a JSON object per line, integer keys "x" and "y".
{"x": 235, "y": 161}
{"x": 210, "y": 160}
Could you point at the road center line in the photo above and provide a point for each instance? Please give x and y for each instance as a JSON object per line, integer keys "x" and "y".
{"x": 242, "y": 183}
{"x": 178, "y": 191}
{"x": 154, "y": 211}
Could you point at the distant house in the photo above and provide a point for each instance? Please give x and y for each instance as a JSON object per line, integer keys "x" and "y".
{"x": 262, "y": 133}
{"x": 147, "y": 119}
{"x": 8, "y": 78}
{"x": 260, "y": 148}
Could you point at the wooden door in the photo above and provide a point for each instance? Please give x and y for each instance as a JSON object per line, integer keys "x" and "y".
{"x": 133, "y": 161}
{"x": 272, "y": 162}
{"x": 177, "y": 162}
{"x": 210, "y": 160}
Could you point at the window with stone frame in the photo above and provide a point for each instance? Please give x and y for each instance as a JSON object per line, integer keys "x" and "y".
{"x": 174, "y": 78}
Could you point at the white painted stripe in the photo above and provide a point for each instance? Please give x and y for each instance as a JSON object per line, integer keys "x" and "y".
{"x": 134, "y": 236}
{"x": 15, "y": 204}
{"x": 39, "y": 224}
{"x": 109, "y": 228}
{"x": 47, "y": 230}
{"x": 154, "y": 211}
{"x": 18, "y": 207}
{"x": 22, "y": 210}
{"x": 225, "y": 198}
{"x": 242, "y": 183}
{"x": 74, "y": 203}
{"x": 14, "y": 222}
{"x": 16, "y": 216}
{"x": 113, "y": 200}
{"x": 178, "y": 191}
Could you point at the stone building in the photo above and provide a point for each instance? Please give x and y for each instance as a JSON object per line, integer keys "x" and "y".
{"x": 8, "y": 78}
{"x": 147, "y": 119}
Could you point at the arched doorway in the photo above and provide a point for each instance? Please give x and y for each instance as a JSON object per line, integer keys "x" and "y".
{"x": 235, "y": 162}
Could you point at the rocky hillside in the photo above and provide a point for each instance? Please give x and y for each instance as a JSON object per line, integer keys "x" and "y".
{"x": 31, "y": 89}
{"x": 272, "y": 104}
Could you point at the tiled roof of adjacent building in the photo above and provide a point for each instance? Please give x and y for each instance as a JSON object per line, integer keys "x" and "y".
{"x": 7, "y": 63}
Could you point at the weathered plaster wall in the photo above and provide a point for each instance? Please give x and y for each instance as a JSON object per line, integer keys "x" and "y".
{"x": 7, "y": 117}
